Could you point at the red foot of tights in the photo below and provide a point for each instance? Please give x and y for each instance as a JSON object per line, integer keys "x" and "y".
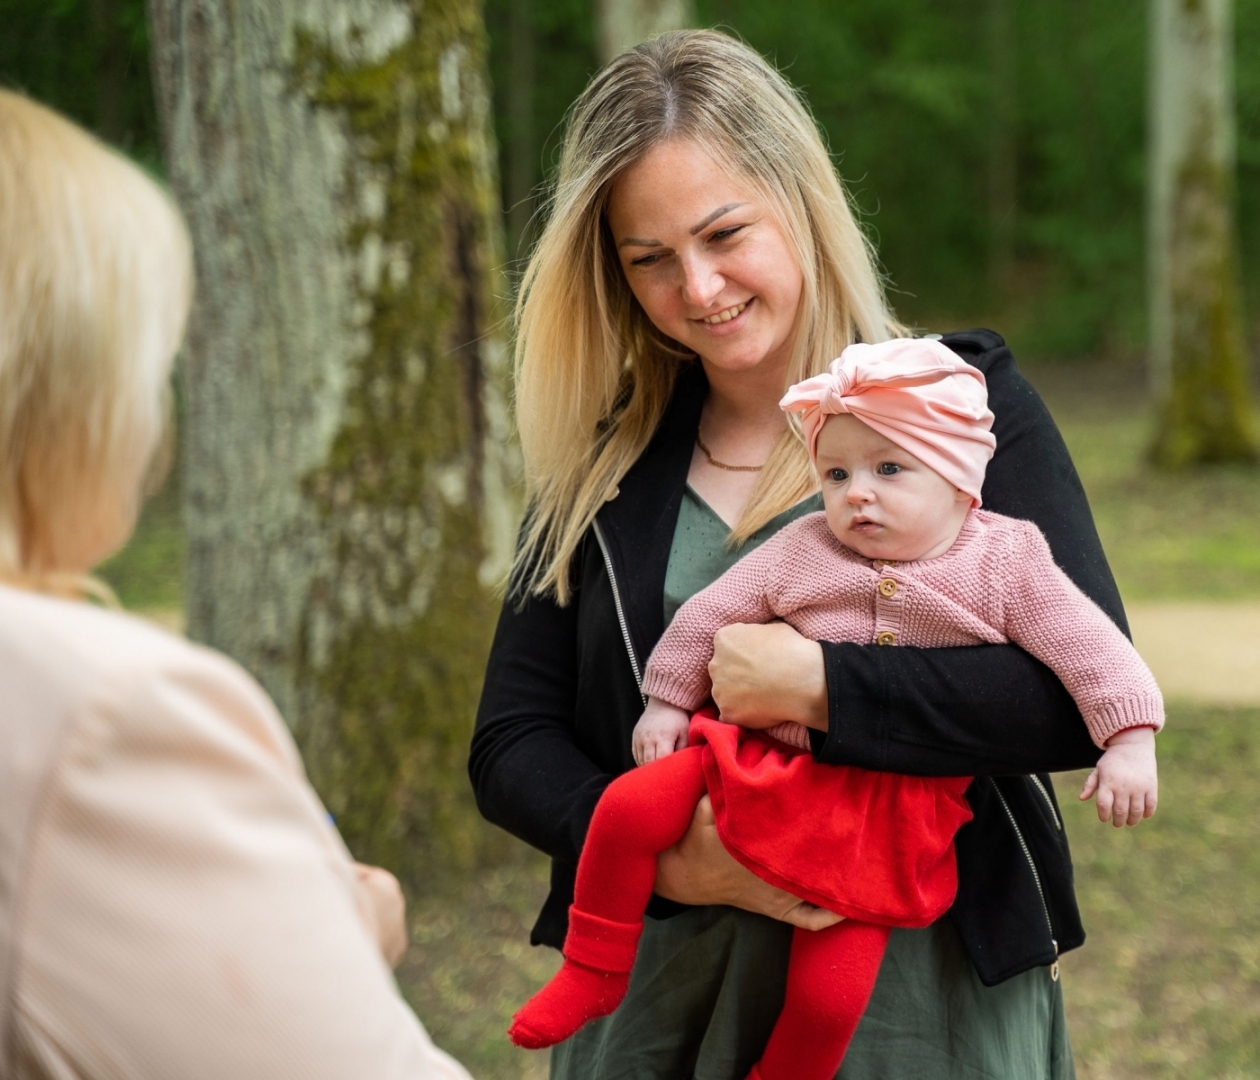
{"x": 575, "y": 995}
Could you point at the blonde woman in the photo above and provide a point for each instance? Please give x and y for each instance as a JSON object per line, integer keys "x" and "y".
{"x": 173, "y": 901}
{"x": 700, "y": 256}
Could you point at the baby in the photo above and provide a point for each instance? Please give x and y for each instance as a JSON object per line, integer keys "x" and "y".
{"x": 902, "y": 555}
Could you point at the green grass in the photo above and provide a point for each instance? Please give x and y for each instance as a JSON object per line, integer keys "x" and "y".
{"x": 1168, "y": 984}
{"x": 1192, "y": 535}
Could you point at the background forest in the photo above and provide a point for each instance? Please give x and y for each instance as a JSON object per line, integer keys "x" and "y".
{"x": 996, "y": 151}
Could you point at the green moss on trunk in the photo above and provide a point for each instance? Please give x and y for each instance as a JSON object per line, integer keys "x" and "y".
{"x": 398, "y": 623}
{"x": 1206, "y": 416}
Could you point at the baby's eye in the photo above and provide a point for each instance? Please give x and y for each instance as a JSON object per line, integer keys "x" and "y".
{"x": 889, "y": 468}
{"x": 838, "y": 476}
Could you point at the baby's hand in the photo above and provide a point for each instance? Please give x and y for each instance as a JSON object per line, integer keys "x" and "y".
{"x": 661, "y": 730}
{"x": 1125, "y": 778}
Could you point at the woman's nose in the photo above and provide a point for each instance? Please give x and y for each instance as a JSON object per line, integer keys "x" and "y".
{"x": 701, "y": 282}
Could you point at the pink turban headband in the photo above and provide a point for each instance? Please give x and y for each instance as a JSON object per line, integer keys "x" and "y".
{"x": 914, "y": 392}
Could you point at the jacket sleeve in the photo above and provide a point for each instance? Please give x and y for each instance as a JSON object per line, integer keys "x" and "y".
{"x": 1051, "y": 618}
{"x": 528, "y": 773}
{"x": 985, "y": 709}
{"x": 189, "y": 911}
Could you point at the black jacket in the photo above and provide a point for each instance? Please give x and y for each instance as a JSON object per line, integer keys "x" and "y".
{"x": 561, "y": 694}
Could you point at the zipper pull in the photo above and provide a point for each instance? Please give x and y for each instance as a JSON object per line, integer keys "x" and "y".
{"x": 1054, "y": 968}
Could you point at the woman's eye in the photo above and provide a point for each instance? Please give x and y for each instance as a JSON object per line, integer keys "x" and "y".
{"x": 726, "y": 234}
{"x": 888, "y": 468}
{"x": 837, "y": 475}
{"x": 646, "y": 260}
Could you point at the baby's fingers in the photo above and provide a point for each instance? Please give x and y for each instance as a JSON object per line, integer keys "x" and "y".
{"x": 638, "y": 748}
{"x": 1091, "y": 785}
{"x": 1120, "y": 809}
{"x": 1137, "y": 809}
{"x": 1106, "y": 799}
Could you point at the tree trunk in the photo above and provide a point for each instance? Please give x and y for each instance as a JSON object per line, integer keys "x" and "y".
{"x": 1199, "y": 366}
{"x": 621, "y": 24}
{"x": 345, "y": 465}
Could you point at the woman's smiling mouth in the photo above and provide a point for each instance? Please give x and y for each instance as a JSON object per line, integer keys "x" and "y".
{"x": 725, "y": 315}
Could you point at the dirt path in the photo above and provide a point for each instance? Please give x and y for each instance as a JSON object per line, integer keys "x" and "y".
{"x": 1200, "y": 652}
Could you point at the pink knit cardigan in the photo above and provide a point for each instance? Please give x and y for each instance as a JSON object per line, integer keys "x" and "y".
{"x": 997, "y": 583}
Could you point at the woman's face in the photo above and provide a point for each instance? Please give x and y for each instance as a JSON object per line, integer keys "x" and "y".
{"x": 706, "y": 259}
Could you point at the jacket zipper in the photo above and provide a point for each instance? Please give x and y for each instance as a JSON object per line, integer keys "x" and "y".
{"x": 1054, "y": 968}
{"x": 1049, "y": 802}
{"x": 621, "y": 614}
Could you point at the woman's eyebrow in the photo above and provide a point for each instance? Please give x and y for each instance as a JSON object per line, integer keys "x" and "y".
{"x": 634, "y": 241}
{"x": 715, "y": 215}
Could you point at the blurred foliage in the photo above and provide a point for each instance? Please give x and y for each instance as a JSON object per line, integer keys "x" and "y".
{"x": 89, "y": 59}
{"x": 1168, "y": 984}
{"x": 924, "y": 102}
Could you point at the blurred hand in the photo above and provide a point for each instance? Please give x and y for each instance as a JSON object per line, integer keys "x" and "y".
{"x": 661, "y": 730}
{"x": 765, "y": 674}
{"x": 384, "y": 910}
{"x": 699, "y": 870}
{"x": 1125, "y": 778}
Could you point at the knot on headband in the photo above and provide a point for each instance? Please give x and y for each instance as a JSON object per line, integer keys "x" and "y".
{"x": 917, "y": 394}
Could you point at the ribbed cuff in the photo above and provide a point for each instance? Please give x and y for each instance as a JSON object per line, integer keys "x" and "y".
{"x": 683, "y": 693}
{"x": 1114, "y": 716}
{"x": 601, "y": 943}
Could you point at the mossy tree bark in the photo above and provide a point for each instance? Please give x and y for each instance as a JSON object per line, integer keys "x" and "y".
{"x": 346, "y": 475}
{"x": 622, "y": 24}
{"x": 1199, "y": 361}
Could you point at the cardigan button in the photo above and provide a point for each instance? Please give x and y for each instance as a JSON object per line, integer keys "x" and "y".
{"x": 888, "y": 588}
{"x": 885, "y": 637}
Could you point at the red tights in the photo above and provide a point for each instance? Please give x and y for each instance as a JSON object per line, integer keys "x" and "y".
{"x": 830, "y": 973}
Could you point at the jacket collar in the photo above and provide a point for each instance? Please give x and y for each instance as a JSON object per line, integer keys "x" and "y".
{"x": 638, "y": 523}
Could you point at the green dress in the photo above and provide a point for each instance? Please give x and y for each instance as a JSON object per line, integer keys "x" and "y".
{"x": 708, "y": 984}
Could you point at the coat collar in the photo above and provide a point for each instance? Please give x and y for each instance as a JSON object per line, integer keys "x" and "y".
{"x": 638, "y": 523}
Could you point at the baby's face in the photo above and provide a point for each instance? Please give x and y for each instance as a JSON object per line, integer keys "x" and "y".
{"x": 881, "y": 501}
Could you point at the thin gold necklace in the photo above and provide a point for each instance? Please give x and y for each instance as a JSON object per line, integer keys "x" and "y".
{"x": 722, "y": 464}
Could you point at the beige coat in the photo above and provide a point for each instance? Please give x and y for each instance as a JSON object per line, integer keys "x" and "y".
{"x": 174, "y": 903}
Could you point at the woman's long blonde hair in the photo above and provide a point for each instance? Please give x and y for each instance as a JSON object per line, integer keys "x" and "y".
{"x": 593, "y": 375}
{"x": 95, "y": 283}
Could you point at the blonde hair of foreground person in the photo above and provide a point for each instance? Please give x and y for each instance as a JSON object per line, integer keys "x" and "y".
{"x": 173, "y": 899}
{"x": 593, "y": 376}
{"x": 95, "y": 286}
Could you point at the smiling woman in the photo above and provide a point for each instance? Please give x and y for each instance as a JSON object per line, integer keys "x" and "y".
{"x": 699, "y": 257}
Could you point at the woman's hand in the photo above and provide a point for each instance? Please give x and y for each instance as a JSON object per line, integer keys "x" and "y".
{"x": 383, "y": 908}
{"x": 699, "y": 870}
{"x": 763, "y": 675}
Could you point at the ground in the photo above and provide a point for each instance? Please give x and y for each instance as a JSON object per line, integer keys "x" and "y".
{"x": 1168, "y": 984}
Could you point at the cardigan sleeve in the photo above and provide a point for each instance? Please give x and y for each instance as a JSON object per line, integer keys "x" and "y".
{"x": 1051, "y": 618}
{"x": 188, "y": 909}
{"x": 949, "y": 712}
{"x": 678, "y": 669}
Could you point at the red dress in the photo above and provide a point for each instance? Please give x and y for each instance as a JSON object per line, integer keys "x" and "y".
{"x": 873, "y": 846}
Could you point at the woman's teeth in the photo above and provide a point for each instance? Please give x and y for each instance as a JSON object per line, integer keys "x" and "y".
{"x": 725, "y": 316}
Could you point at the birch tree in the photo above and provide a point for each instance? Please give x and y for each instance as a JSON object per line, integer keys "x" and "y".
{"x": 1198, "y": 354}
{"x": 622, "y": 24}
{"x": 346, "y": 482}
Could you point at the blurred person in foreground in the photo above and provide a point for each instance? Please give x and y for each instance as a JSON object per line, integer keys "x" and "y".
{"x": 173, "y": 899}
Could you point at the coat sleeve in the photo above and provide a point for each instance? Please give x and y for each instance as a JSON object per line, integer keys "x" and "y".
{"x": 528, "y": 773}
{"x": 943, "y": 712}
{"x": 189, "y": 909}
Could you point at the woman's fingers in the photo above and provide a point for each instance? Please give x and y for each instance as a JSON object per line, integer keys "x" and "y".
{"x": 810, "y": 917}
